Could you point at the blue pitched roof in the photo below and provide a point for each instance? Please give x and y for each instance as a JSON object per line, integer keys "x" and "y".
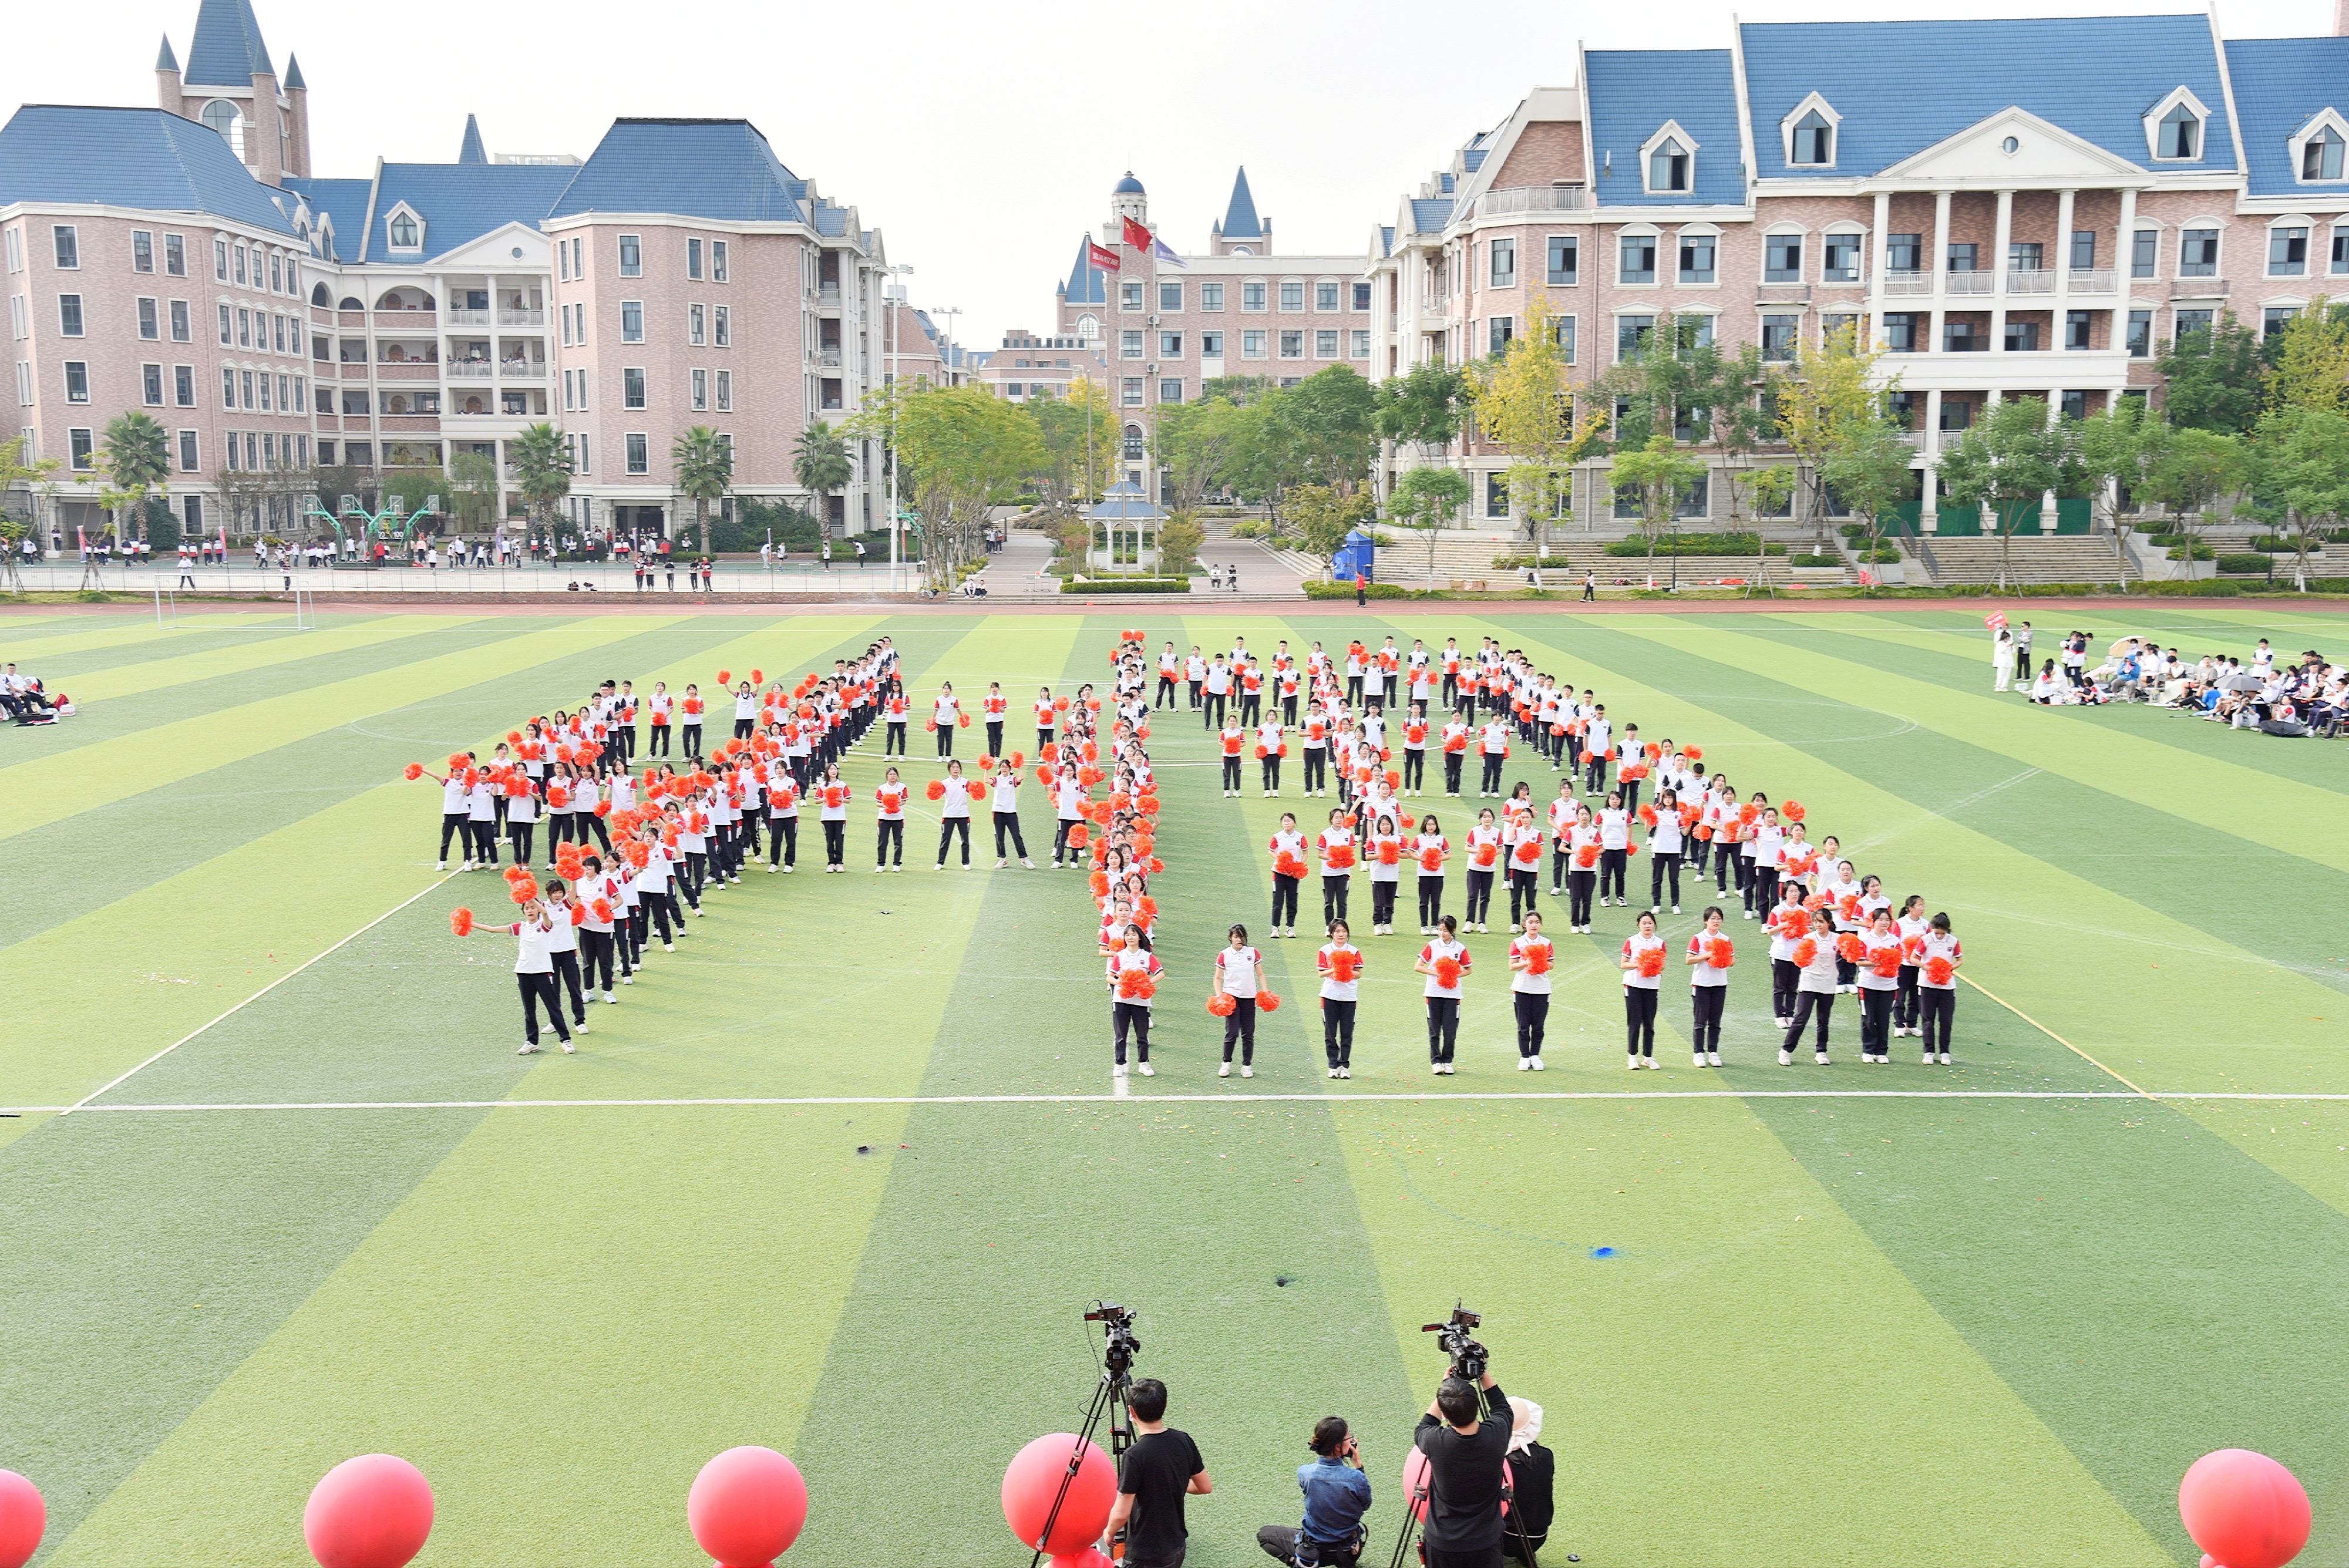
{"x": 294, "y": 82}
{"x": 1633, "y": 92}
{"x": 831, "y": 219}
{"x": 141, "y": 158}
{"x": 471, "y": 150}
{"x": 718, "y": 169}
{"x": 226, "y": 50}
{"x": 2282, "y": 84}
{"x": 1472, "y": 158}
{"x": 1386, "y": 239}
{"x": 165, "y": 60}
{"x": 2094, "y": 77}
{"x": 459, "y": 202}
{"x": 1086, "y": 285}
{"x": 344, "y": 202}
{"x": 1430, "y": 214}
{"x": 1240, "y": 221}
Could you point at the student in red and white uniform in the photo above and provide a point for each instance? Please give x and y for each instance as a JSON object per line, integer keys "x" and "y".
{"x": 1666, "y": 842}
{"x": 1912, "y": 925}
{"x": 1047, "y": 715}
{"x": 1335, "y": 845}
{"x": 992, "y": 708}
{"x": 1937, "y": 986}
{"x": 1454, "y": 741}
{"x": 1815, "y": 995}
{"x": 1340, "y": 963}
{"x": 1285, "y": 841}
{"x": 1170, "y": 670}
{"x": 1708, "y": 988}
{"x": 601, "y": 937}
{"x": 661, "y": 706}
{"x": 1006, "y": 810}
{"x": 746, "y": 711}
{"x": 946, "y": 712}
{"x": 783, "y": 819}
{"x": 1878, "y": 979}
{"x": 1287, "y": 681}
{"x": 894, "y": 717}
{"x": 832, "y": 795}
{"x": 1239, "y": 974}
{"x": 690, "y": 711}
{"x": 535, "y": 974}
{"x": 1643, "y": 968}
{"x": 1414, "y": 749}
{"x": 1230, "y": 740}
{"x": 1130, "y": 1000}
{"x": 1532, "y": 957}
{"x": 890, "y": 803}
{"x": 953, "y": 812}
{"x": 1485, "y": 855}
{"x": 562, "y": 947}
{"x": 1068, "y": 810}
{"x": 1614, "y": 849}
{"x": 1442, "y": 1001}
{"x": 1429, "y": 849}
{"x": 1316, "y": 751}
{"x": 1493, "y": 748}
{"x": 481, "y": 818}
{"x": 1563, "y": 813}
{"x": 1382, "y": 854}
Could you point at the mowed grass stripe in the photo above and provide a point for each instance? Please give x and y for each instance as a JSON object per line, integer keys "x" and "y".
{"x": 110, "y": 629}
{"x": 180, "y": 669}
{"x": 58, "y": 787}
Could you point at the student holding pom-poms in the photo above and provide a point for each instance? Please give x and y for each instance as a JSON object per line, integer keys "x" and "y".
{"x": 1710, "y": 954}
{"x": 1445, "y": 962}
{"x": 562, "y": 947}
{"x": 1006, "y": 810}
{"x": 1134, "y": 972}
{"x": 1880, "y": 978}
{"x": 954, "y": 796}
{"x": 1937, "y": 985}
{"x": 1532, "y": 956}
{"x": 534, "y": 968}
{"x": 1239, "y": 976}
{"x": 1814, "y": 957}
{"x": 1911, "y": 925}
{"x": 598, "y": 922}
{"x": 832, "y": 809}
{"x": 890, "y": 798}
{"x": 1287, "y": 848}
{"x": 1644, "y": 969}
{"x": 1341, "y": 965}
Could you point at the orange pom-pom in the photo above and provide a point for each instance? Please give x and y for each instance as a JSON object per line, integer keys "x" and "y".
{"x": 1647, "y": 814}
{"x": 1938, "y": 970}
{"x": 1792, "y": 810}
{"x": 1792, "y": 923}
{"x": 1019, "y": 760}
{"x": 1719, "y": 952}
{"x": 1343, "y": 967}
{"x": 1630, "y": 850}
{"x": 1431, "y": 859}
{"x": 1529, "y": 852}
{"x": 1694, "y": 754}
{"x": 930, "y": 724}
{"x": 1287, "y": 865}
{"x": 1262, "y": 752}
{"x": 1911, "y": 947}
{"x": 1850, "y": 948}
{"x": 1078, "y": 835}
{"x": 977, "y": 789}
{"x": 1100, "y": 884}
{"x": 758, "y": 677}
{"x": 1222, "y": 1005}
{"x": 1147, "y": 804}
{"x": 1885, "y": 962}
{"x": 1747, "y": 812}
{"x": 412, "y": 772}
{"x": 1267, "y": 1001}
{"x": 1586, "y": 856}
{"x": 1537, "y": 959}
{"x": 1488, "y": 853}
{"x": 725, "y": 678}
{"x": 985, "y": 764}
{"x": 1060, "y": 705}
{"x": 1447, "y": 973}
{"x": 459, "y": 761}
{"x": 1155, "y": 864}
{"x": 1340, "y": 856}
{"x": 1805, "y": 950}
{"x": 461, "y": 921}
{"x": 937, "y": 790}
{"x": 1391, "y": 852}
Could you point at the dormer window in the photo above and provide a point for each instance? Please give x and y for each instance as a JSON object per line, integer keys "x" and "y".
{"x": 403, "y": 232}
{"x": 2181, "y": 134}
{"x": 2320, "y": 156}
{"x": 1668, "y": 166}
{"x": 1814, "y": 140}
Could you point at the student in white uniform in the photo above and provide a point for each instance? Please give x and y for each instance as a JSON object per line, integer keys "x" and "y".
{"x": 1709, "y": 986}
{"x": 533, "y": 973}
{"x": 1532, "y": 957}
{"x": 1445, "y": 962}
{"x": 1940, "y": 959}
{"x": 1239, "y": 974}
{"x": 1006, "y": 811}
{"x": 1134, "y": 972}
{"x": 1340, "y": 963}
{"x": 1644, "y": 969}
{"x": 953, "y": 812}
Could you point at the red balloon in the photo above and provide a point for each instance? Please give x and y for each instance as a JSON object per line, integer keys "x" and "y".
{"x": 747, "y": 1506}
{"x": 1034, "y": 1479}
{"x": 23, "y": 1518}
{"x": 1090, "y": 1557}
{"x": 373, "y": 1511}
{"x": 2244, "y": 1508}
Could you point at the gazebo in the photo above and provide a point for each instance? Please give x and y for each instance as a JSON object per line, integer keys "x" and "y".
{"x": 1124, "y": 532}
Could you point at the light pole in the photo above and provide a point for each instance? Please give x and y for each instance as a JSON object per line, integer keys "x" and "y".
{"x": 889, "y": 330}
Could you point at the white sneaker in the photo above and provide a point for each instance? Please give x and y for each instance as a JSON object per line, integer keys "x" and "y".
{"x": 1224, "y": 1070}
{"x": 1698, "y": 1059}
{"x": 1148, "y": 1071}
{"x": 442, "y": 866}
{"x": 1945, "y": 1058}
{"x": 1632, "y": 1063}
{"x": 1118, "y": 1071}
{"x": 1823, "y": 1058}
{"x": 669, "y": 947}
{"x": 610, "y": 998}
{"x": 1513, "y": 928}
{"x": 1676, "y": 909}
{"x": 1785, "y": 1058}
{"x": 1435, "y": 1069}
{"x": 568, "y": 1048}
{"x": 1931, "y": 1058}
{"x": 627, "y": 980}
{"x": 580, "y": 1027}
{"x": 1651, "y": 1062}
{"x": 787, "y": 870}
{"x": 1525, "y": 1063}
{"x": 1537, "y": 1064}
{"x": 529, "y": 1048}
{"x": 772, "y": 869}
{"x": 1001, "y": 863}
{"x": 1713, "y": 1058}
{"x": 1028, "y": 863}
{"x": 1247, "y": 1071}
{"x": 1345, "y": 1071}
{"x": 1333, "y": 1071}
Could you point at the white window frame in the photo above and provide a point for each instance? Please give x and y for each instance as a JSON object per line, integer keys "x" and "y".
{"x": 1655, "y": 268}
{"x": 1827, "y": 111}
{"x": 400, "y": 210}
{"x": 1669, "y": 131}
{"x": 2323, "y": 119}
{"x": 2178, "y": 250}
{"x": 1286, "y": 285}
{"x": 1845, "y": 229}
{"x": 1795, "y": 232}
{"x": 1215, "y": 283}
{"x": 2309, "y": 228}
{"x": 2180, "y": 94}
{"x": 1688, "y": 231}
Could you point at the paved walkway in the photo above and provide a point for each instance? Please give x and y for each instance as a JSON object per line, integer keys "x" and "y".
{"x": 729, "y": 579}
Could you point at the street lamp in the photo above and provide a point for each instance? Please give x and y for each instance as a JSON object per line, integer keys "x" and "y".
{"x": 890, "y": 330}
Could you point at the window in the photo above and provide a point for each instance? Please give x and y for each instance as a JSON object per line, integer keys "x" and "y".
{"x": 1129, "y": 395}
{"x": 632, "y": 321}
{"x": 631, "y": 265}
{"x": 2320, "y": 155}
{"x": 1211, "y": 345}
{"x": 632, "y": 387}
{"x": 693, "y": 325}
{"x": 2083, "y": 249}
{"x": 725, "y": 388}
{"x": 1964, "y": 338}
{"x": 220, "y": 260}
{"x": 1779, "y": 334}
{"x": 718, "y": 263}
{"x": 1170, "y": 295}
{"x": 2287, "y": 253}
{"x": 143, "y": 251}
{"x": 2140, "y": 334}
{"x": 1956, "y": 414}
{"x": 2144, "y": 246}
{"x": 16, "y": 246}
{"x": 1251, "y": 296}
{"x": 2022, "y": 337}
{"x": 562, "y": 259}
{"x": 181, "y": 332}
{"x": 1360, "y": 348}
{"x": 2075, "y": 328}
{"x": 1814, "y": 140}
{"x": 188, "y": 453}
{"x": 1170, "y": 390}
{"x": 80, "y": 446}
{"x": 1251, "y": 345}
{"x": 2197, "y": 254}
{"x": 2025, "y": 256}
{"x": 721, "y": 330}
{"x": 67, "y": 245}
{"x": 175, "y": 256}
{"x": 1324, "y": 344}
{"x": 1830, "y": 326}
{"x": 1499, "y": 330}
{"x": 1129, "y": 443}
{"x": 245, "y": 328}
{"x": 1696, "y": 258}
{"x": 247, "y": 378}
{"x": 76, "y": 381}
{"x": 1631, "y": 334}
{"x": 1782, "y": 258}
{"x": 276, "y": 273}
{"x": 1564, "y": 255}
{"x": 24, "y": 390}
{"x": 1696, "y": 501}
{"x": 1326, "y": 295}
{"x": 699, "y": 383}
{"x": 693, "y": 259}
{"x": 637, "y": 458}
{"x": 228, "y": 394}
{"x": 2072, "y": 405}
{"x": 1839, "y": 258}
{"x": 1496, "y": 495}
{"x": 1904, "y": 253}
{"x": 1964, "y": 257}
{"x": 20, "y": 320}
{"x": 2273, "y": 319}
{"x": 1361, "y": 296}
{"x": 1129, "y": 344}
{"x": 1638, "y": 263}
{"x": 1129, "y": 295}
{"x": 150, "y": 385}
{"x": 150, "y": 326}
{"x": 183, "y": 386}
{"x": 228, "y": 325}
{"x": 403, "y": 232}
{"x": 70, "y": 315}
{"x": 2192, "y": 323}
{"x": 1564, "y": 327}
{"x": 2179, "y": 135}
{"x": 1668, "y": 166}
{"x": 1292, "y": 297}
{"x": 1211, "y": 296}
{"x": 1292, "y": 345}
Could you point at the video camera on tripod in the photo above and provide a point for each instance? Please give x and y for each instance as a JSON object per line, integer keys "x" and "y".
{"x": 1120, "y": 1346}
{"x": 1468, "y": 1357}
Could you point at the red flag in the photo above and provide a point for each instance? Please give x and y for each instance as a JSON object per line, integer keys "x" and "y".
{"x": 1101, "y": 256}
{"x": 1138, "y": 236}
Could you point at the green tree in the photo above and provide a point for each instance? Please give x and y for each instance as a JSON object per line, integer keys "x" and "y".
{"x": 1325, "y": 517}
{"x": 1079, "y": 433}
{"x": 2112, "y": 453}
{"x": 705, "y": 471}
{"x": 1743, "y": 398}
{"x": 1524, "y": 407}
{"x": 2200, "y": 470}
{"x": 2213, "y": 379}
{"x": 1868, "y": 470}
{"x": 1424, "y": 408}
{"x": 1327, "y": 418}
{"x": 2301, "y": 459}
{"x": 1829, "y": 399}
{"x": 540, "y": 459}
{"x": 819, "y": 462}
{"x": 134, "y": 462}
{"x": 1660, "y": 475}
{"x": 472, "y": 483}
{"x": 2312, "y": 359}
{"x": 1198, "y": 443}
{"x": 1423, "y": 501}
{"x": 959, "y": 450}
{"x": 2008, "y": 461}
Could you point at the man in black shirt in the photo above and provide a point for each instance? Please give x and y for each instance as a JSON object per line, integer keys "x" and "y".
{"x": 1162, "y": 1466}
{"x": 1464, "y": 1450}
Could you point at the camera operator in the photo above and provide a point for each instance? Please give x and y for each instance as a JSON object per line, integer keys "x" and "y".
{"x": 1533, "y": 1470}
{"x": 1464, "y": 1454}
{"x": 1336, "y": 1495}
{"x": 1160, "y": 1469}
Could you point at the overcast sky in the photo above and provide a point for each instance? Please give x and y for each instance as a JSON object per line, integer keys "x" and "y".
{"x": 982, "y": 138}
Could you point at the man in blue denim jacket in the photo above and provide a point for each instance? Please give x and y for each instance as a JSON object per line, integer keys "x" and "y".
{"x": 1336, "y": 1495}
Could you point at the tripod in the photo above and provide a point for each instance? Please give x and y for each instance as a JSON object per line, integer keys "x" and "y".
{"x": 1112, "y": 1398}
{"x": 1419, "y": 1496}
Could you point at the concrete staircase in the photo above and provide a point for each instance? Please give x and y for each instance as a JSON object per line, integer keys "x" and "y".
{"x": 2059, "y": 558}
{"x": 1466, "y": 562}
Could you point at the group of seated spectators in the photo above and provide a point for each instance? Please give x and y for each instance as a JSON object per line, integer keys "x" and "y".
{"x": 23, "y": 701}
{"x": 2269, "y": 691}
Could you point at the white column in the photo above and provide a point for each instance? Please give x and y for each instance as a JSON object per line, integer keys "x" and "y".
{"x": 1998, "y": 262}
{"x": 2063, "y": 258}
{"x": 1879, "y": 249}
{"x": 1929, "y": 517}
{"x": 2047, "y": 501}
{"x": 1937, "y": 264}
{"x": 2124, "y": 257}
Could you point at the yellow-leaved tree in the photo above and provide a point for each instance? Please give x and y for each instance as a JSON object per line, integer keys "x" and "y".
{"x": 1524, "y": 405}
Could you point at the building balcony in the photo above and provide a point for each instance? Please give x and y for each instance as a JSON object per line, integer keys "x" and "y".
{"x": 522, "y": 319}
{"x": 396, "y": 320}
{"x": 2197, "y": 288}
{"x": 829, "y": 358}
{"x": 468, "y": 318}
{"x": 1532, "y": 199}
{"x": 350, "y": 318}
{"x": 469, "y": 370}
{"x": 407, "y": 371}
{"x": 521, "y": 369}
{"x": 419, "y": 423}
{"x": 1913, "y": 440}
{"x": 1908, "y": 283}
{"x": 827, "y": 297}
{"x": 2030, "y": 281}
{"x": 2092, "y": 280}
{"x": 1969, "y": 282}
{"x": 1783, "y": 293}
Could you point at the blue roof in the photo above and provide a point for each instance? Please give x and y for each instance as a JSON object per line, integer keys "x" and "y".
{"x": 1472, "y": 158}
{"x": 1124, "y": 501}
{"x": 1430, "y": 214}
{"x": 1086, "y": 285}
{"x": 1240, "y": 221}
{"x": 1128, "y": 186}
{"x": 831, "y": 219}
{"x": 226, "y": 50}
{"x": 471, "y": 150}
{"x": 165, "y": 60}
{"x": 1445, "y": 180}
{"x": 459, "y": 202}
{"x": 294, "y": 82}
{"x": 344, "y": 202}
{"x": 1632, "y": 94}
{"x": 718, "y": 169}
{"x": 1386, "y": 239}
{"x": 2094, "y": 77}
{"x": 141, "y": 158}
{"x": 2282, "y": 84}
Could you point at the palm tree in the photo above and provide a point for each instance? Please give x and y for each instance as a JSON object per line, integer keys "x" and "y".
{"x": 540, "y": 457}
{"x": 705, "y": 468}
{"x": 819, "y": 462}
{"x": 137, "y": 459}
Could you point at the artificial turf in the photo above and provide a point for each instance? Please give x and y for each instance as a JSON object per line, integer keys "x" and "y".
{"x": 782, "y": 1197}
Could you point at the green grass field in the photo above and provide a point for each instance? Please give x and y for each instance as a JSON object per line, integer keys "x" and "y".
{"x": 839, "y": 1175}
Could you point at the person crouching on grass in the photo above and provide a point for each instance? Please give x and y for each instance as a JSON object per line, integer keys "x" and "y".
{"x": 1336, "y": 1495}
